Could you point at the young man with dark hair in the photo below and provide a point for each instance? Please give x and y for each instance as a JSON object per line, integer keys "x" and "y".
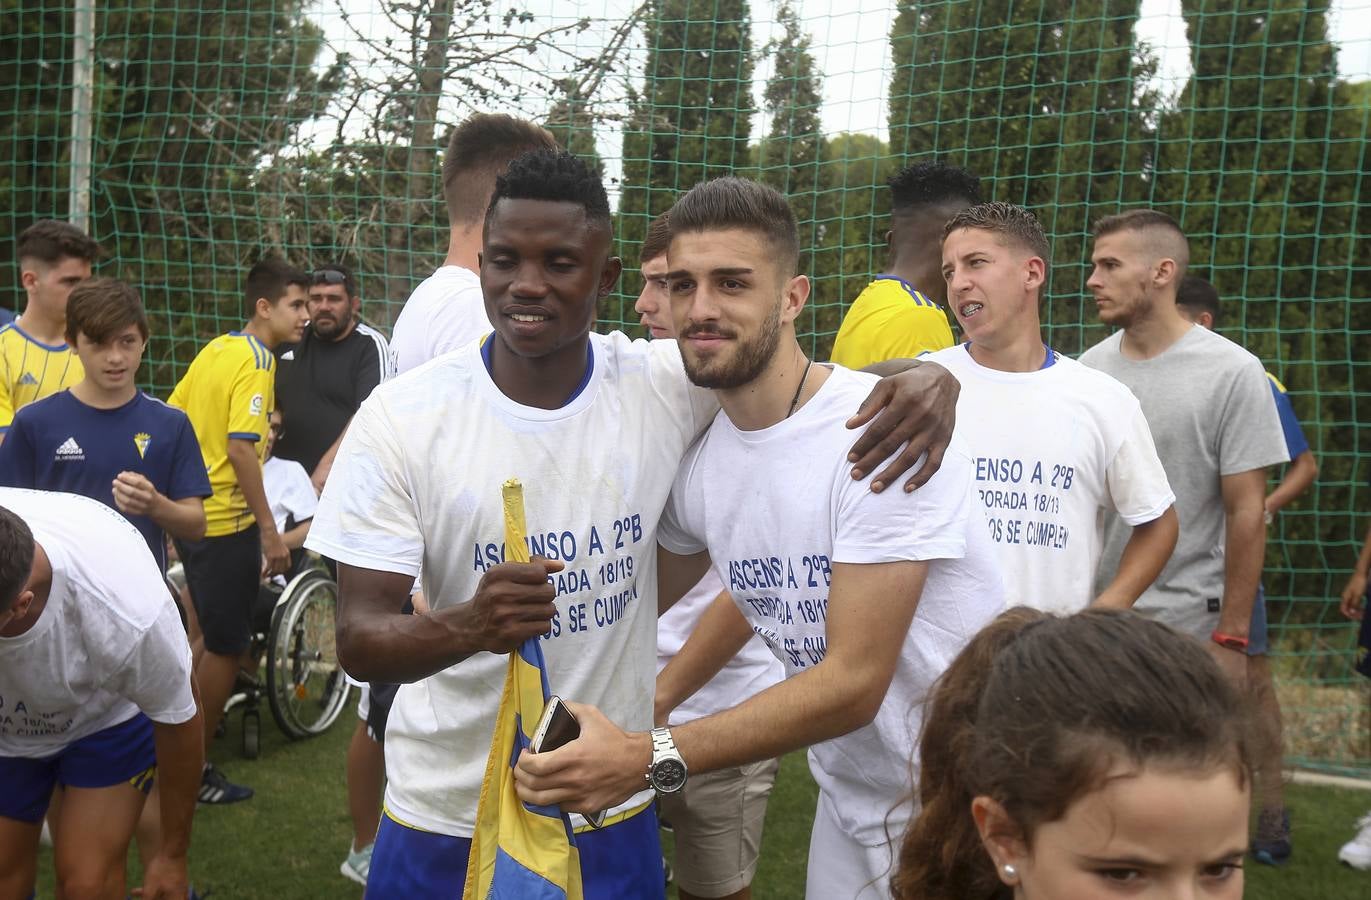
{"x": 102, "y": 437}
{"x": 864, "y": 597}
{"x": 227, "y": 392}
{"x": 1198, "y": 301}
{"x": 716, "y": 820}
{"x": 901, "y": 313}
{"x": 35, "y": 360}
{"x": 446, "y": 310}
{"x": 595, "y": 427}
{"x": 1215, "y": 444}
{"x": 1056, "y": 444}
{"x": 652, "y": 305}
{"x": 95, "y": 676}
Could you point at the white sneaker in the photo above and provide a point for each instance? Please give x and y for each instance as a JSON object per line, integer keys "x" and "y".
{"x": 1357, "y": 852}
{"x": 358, "y": 864}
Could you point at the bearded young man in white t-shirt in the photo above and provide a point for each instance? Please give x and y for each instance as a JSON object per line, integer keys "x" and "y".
{"x": 595, "y": 427}
{"x": 716, "y": 820}
{"x": 95, "y": 695}
{"x": 865, "y": 598}
{"x": 446, "y": 310}
{"x": 1057, "y": 445}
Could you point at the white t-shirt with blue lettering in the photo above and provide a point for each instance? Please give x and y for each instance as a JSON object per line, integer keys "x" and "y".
{"x": 1056, "y": 451}
{"x": 109, "y": 642}
{"x": 417, "y": 482}
{"x": 776, "y": 508}
{"x": 752, "y": 671}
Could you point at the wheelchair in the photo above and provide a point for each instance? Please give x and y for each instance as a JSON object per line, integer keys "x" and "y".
{"x": 295, "y": 657}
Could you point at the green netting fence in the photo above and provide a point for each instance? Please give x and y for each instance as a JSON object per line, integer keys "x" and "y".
{"x": 219, "y": 132}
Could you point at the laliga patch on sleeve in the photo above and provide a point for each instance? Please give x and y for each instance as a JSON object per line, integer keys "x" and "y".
{"x": 256, "y": 404}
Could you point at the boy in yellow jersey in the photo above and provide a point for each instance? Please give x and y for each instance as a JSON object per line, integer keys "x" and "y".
{"x": 900, "y": 313}
{"x": 35, "y": 361}
{"x": 228, "y": 393}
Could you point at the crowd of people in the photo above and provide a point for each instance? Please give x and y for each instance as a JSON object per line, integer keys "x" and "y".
{"x": 1009, "y": 601}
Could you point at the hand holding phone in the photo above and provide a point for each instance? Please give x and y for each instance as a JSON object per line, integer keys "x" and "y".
{"x": 557, "y": 726}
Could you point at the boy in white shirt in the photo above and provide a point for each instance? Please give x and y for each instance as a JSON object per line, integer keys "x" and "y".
{"x": 290, "y": 493}
{"x": 95, "y": 695}
{"x": 865, "y": 598}
{"x": 1057, "y": 445}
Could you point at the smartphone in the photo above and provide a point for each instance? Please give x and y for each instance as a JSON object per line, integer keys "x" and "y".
{"x": 556, "y": 727}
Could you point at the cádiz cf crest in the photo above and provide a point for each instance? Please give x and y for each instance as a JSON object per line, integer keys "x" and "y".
{"x": 141, "y": 441}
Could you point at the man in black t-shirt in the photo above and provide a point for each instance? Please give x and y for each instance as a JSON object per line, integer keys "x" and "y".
{"x": 322, "y": 380}
{"x": 320, "y": 384}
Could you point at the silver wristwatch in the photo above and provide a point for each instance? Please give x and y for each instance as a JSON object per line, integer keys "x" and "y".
{"x": 667, "y": 774}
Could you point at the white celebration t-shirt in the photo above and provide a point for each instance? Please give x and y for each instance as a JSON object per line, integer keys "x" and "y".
{"x": 1055, "y": 450}
{"x": 752, "y": 671}
{"x": 776, "y": 508}
{"x": 446, "y": 311}
{"x": 290, "y": 493}
{"x": 417, "y": 483}
{"x": 109, "y": 642}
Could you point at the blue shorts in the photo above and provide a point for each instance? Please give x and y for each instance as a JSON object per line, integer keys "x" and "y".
{"x": 120, "y": 753}
{"x": 622, "y": 861}
{"x": 1256, "y": 630}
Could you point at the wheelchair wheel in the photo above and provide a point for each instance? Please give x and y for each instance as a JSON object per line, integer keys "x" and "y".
{"x": 305, "y": 685}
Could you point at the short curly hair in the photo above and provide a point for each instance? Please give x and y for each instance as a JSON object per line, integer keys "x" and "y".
{"x": 554, "y": 175}
{"x": 932, "y": 184}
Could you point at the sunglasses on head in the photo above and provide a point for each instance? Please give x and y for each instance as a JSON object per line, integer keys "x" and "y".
{"x": 328, "y": 276}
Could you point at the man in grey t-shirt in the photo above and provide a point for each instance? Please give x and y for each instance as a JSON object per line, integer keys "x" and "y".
{"x": 1214, "y": 423}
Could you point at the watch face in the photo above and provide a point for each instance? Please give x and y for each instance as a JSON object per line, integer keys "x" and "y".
{"x": 668, "y": 775}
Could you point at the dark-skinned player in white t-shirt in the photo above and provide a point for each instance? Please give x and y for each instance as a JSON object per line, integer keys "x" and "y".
{"x": 865, "y": 598}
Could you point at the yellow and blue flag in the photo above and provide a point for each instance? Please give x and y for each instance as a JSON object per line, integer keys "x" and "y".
{"x": 519, "y": 851}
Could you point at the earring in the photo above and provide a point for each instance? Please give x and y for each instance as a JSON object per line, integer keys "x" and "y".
{"x": 1011, "y": 874}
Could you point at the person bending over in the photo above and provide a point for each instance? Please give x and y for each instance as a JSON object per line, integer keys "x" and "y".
{"x": 97, "y": 694}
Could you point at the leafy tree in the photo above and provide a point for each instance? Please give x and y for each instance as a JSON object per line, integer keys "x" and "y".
{"x": 192, "y": 103}
{"x": 851, "y": 209}
{"x": 693, "y": 118}
{"x": 572, "y": 123}
{"x": 789, "y": 157}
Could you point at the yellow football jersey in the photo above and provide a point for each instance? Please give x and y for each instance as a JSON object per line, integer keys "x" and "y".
{"x": 228, "y": 392}
{"x": 30, "y": 370}
{"x": 889, "y": 320}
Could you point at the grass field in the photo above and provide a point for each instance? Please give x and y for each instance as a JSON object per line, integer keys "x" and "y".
{"x": 287, "y": 842}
